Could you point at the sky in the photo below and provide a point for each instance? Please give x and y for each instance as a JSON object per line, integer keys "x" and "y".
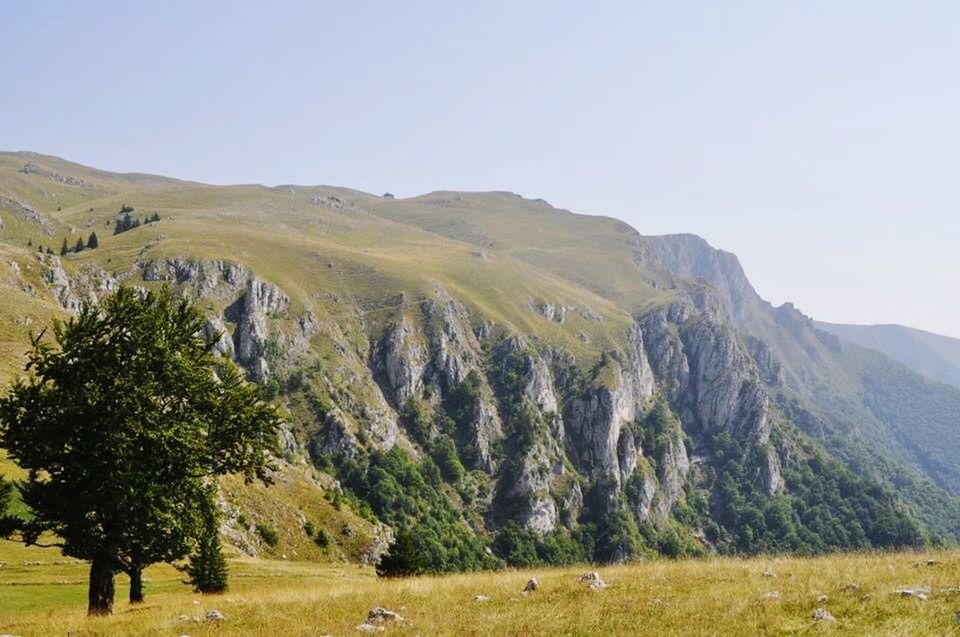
{"x": 817, "y": 140}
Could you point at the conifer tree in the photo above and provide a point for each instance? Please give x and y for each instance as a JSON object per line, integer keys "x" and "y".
{"x": 79, "y": 247}
{"x": 64, "y": 249}
{"x": 93, "y": 241}
{"x": 207, "y": 567}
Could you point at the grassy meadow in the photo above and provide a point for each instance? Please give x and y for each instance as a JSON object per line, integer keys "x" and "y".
{"x": 723, "y": 596}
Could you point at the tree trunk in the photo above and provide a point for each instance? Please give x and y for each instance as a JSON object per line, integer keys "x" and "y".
{"x": 101, "y": 591}
{"x": 136, "y": 585}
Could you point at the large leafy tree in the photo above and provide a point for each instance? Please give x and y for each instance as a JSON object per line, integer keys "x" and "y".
{"x": 123, "y": 422}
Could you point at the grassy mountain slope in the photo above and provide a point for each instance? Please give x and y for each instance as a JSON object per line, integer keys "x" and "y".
{"x": 935, "y": 356}
{"x": 356, "y": 269}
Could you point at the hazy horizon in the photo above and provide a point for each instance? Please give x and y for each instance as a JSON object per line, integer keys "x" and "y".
{"x": 815, "y": 142}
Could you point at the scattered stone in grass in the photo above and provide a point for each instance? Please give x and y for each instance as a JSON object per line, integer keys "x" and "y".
{"x": 821, "y": 599}
{"x": 188, "y": 619}
{"x": 823, "y": 615}
{"x": 532, "y": 585}
{"x": 369, "y": 628}
{"x": 379, "y": 615}
{"x": 933, "y": 562}
{"x": 850, "y": 587}
{"x": 656, "y": 601}
{"x": 769, "y": 573}
{"x": 950, "y": 589}
{"x": 772, "y": 595}
{"x": 866, "y": 598}
{"x": 215, "y": 616}
{"x": 592, "y": 580}
{"x": 480, "y": 599}
{"x": 920, "y": 593}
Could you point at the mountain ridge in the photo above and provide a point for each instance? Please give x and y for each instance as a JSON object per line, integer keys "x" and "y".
{"x": 933, "y": 355}
{"x": 501, "y": 374}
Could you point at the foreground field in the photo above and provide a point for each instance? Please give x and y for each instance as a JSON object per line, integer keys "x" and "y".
{"x": 702, "y": 597}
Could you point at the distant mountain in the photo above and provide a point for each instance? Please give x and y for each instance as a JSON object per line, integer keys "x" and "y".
{"x": 498, "y": 380}
{"x": 932, "y": 355}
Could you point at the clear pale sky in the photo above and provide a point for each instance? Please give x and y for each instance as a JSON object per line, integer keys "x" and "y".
{"x": 817, "y": 140}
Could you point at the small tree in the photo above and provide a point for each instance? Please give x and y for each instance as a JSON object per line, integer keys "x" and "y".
{"x": 124, "y": 223}
{"x": 79, "y": 247}
{"x": 7, "y": 522}
{"x": 124, "y": 420}
{"x": 207, "y": 567}
{"x": 64, "y": 249}
{"x": 155, "y": 217}
{"x": 93, "y": 241}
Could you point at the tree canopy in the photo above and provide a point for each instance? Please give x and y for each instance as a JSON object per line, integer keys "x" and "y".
{"x": 123, "y": 421}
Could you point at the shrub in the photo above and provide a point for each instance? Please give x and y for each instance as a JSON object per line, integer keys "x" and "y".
{"x": 268, "y": 534}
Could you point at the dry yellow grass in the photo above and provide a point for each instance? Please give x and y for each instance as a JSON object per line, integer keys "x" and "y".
{"x": 702, "y": 597}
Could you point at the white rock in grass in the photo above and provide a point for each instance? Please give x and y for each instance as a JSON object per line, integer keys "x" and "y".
{"x": 380, "y": 615}
{"x": 215, "y": 616}
{"x": 592, "y": 580}
{"x": 920, "y": 593}
{"x": 532, "y": 585}
{"x": 480, "y": 599}
{"x": 823, "y": 615}
{"x": 772, "y": 595}
{"x": 369, "y": 628}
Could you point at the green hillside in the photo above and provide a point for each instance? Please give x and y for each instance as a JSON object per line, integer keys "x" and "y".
{"x": 932, "y": 355}
{"x": 499, "y": 381}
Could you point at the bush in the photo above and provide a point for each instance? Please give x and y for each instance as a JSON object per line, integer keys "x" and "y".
{"x": 268, "y": 534}
{"x": 322, "y": 539}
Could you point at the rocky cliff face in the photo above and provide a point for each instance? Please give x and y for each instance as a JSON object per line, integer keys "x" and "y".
{"x": 590, "y": 434}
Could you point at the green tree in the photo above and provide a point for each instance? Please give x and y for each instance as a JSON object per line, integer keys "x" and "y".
{"x": 93, "y": 242}
{"x": 7, "y": 522}
{"x": 79, "y": 247}
{"x": 64, "y": 249}
{"x": 122, "y": 423}
{"x": 207, "y": 567}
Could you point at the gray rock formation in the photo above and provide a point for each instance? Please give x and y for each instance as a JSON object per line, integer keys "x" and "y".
{"x": 260, "y": 301}
{"x": 52, "y": 175}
